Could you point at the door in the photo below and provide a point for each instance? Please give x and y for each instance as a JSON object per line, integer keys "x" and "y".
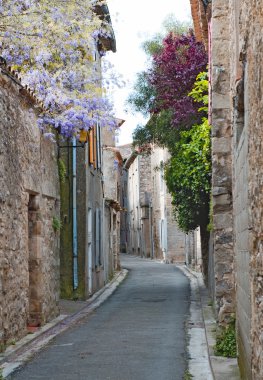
{"x": 90, "y": 263}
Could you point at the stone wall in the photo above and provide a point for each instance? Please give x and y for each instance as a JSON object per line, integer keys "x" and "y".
{"x": 246, "y": 90}
{"x": 222, "y": 162}
{"x": 133, "y": 206}
{"x": 176, "y": 239}
{"x": 29, "y": 202}
{"x": 150, "y": 225}
{"x": 237, "y": 118}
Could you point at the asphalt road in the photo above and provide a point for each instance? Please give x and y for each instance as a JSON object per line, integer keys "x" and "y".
{"x": 137, "y": 334}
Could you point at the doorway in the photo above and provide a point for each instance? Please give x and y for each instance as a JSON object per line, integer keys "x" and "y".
{"x": 34, "y": 262}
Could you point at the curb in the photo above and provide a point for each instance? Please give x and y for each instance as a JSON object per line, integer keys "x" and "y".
{"x": 199, "y": 366}
{"x": 14, "y": 357}
{"x": 221, "y": 368}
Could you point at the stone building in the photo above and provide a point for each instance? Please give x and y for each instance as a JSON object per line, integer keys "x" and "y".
{"x": 90, "y": 215}
{"x": 126, "y": 152}
{"x": 214, "y": 29}
{"x": 29, "y": 214}
{"x": 150, "y": 229}
{"x": 112, "y": 170}
{"x": 236, "y": 29}
{"x": 84, "y": 266}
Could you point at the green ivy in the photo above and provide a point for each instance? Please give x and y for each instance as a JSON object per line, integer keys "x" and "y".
{"x": 62, "y": 171}
{"x": 56, "y": 224}
{"x": 187, "y": 375}
{"x": 226, "y": 341}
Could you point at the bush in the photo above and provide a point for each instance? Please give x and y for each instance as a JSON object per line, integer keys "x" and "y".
{"x": 226, "y": 342}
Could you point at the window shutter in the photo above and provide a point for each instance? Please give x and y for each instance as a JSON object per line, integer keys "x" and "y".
{"x": 91, "y": 147}
{"x": 94, "y": 147}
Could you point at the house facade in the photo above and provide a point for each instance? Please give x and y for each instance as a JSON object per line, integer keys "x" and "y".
{"x": 148, "y": 227}
{"x": 84, "y": 207}
{"x": 90, "y": 207}
{"x": 235, "y": 43}
{"x": 113, "y": 169}
{"x": 29, "y": 214}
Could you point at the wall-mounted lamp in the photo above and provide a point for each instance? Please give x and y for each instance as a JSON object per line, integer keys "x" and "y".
{"x": 83, "y": 136}
{"x": 83, "y": 139}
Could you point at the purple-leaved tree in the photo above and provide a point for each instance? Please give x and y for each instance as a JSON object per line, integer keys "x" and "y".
{"x": 173, "y": 74}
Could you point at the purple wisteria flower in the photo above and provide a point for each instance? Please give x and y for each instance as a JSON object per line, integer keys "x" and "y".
{"x": 50, "y": 43}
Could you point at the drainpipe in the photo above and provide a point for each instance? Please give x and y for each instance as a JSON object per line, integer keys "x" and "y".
{"x": 74, "y": 223}
{"x": 151, "y": 229}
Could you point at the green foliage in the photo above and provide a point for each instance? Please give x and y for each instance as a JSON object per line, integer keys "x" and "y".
{"x": 226, "y": 341}
{"x": 188, "y": 172}
{"x": 200, "y": 91}
{"x": 56, "y": 224}
{"x": 143, "y": 96}
{"x": 158, "y": 130}
{"x": 188, "y": 176}
{"x": 178, "y": 122}
{"x": 142, "y": 99}
{"x": 187, "y": 375}
{"x": 62, "y": 171}
{"x": 170, "y": 24}
{"x": 1, "y": 374}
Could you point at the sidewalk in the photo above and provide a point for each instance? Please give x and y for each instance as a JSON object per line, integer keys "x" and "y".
{"x": 70, "y": 312}
{"x": 220, "y": 368}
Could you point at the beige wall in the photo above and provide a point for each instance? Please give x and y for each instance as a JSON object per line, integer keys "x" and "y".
{"x": 152, "y": 229}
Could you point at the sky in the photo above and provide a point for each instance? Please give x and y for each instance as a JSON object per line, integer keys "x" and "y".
{"x": 135, "y": 21}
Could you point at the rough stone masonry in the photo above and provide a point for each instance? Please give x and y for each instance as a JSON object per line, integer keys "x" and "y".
{"x": 29, "y": 202}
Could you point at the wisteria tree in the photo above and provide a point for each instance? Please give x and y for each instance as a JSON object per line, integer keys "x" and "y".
{"x": 53, "y": 44}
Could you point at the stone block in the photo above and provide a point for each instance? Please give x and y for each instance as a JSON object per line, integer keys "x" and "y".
{"x": 224, "y": 220}
{"x": 221, "y": 101}
{"x": 221, "y": 145}
{"x": 219, "y": 191}
{"x": 221, "y": 202}
{"x": 219, "y": 31}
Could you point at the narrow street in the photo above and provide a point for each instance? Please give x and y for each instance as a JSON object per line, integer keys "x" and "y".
{"x": 137, "y": 334}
